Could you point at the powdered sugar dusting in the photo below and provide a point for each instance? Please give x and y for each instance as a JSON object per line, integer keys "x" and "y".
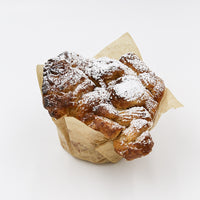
{"x": 138, "y": 123}
{"x": 148, "y": 78}
{"x": 99, "y": 95}
{"x": 130, "y": 88}
{"x": 99, "y": 69}
{"x": 140, "y": 111}
{"x": 141, "y": 138}
{"x": 138, "y": 64}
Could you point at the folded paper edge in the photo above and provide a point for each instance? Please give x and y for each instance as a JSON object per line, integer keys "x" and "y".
{"x": 120, "y": 46}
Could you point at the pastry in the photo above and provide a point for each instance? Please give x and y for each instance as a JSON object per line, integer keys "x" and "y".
{"x": 104, "y": 108}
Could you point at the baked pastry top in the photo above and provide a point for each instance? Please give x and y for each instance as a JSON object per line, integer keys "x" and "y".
{"x": 117, "y": 98}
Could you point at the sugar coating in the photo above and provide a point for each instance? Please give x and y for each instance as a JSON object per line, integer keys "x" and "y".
{"x": 130, "y": 88}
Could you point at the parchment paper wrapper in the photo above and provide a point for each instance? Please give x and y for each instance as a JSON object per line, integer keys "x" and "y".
{"x": 82, "y": 141}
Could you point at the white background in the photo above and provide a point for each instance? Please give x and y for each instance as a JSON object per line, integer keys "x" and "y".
{"x": 33, "y": 164}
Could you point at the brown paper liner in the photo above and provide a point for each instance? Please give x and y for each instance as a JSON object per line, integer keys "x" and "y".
{"x": 82, "y": 141}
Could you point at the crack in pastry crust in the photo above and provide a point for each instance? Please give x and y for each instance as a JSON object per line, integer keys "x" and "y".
{"x": 117, "y": 98}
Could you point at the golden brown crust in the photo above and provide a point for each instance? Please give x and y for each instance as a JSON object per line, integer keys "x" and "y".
{"x": 152, "y": 82}
{"x": 109, "y": 128}
{"x": 140, "y": 147}
{"x": 119, "y": 99}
